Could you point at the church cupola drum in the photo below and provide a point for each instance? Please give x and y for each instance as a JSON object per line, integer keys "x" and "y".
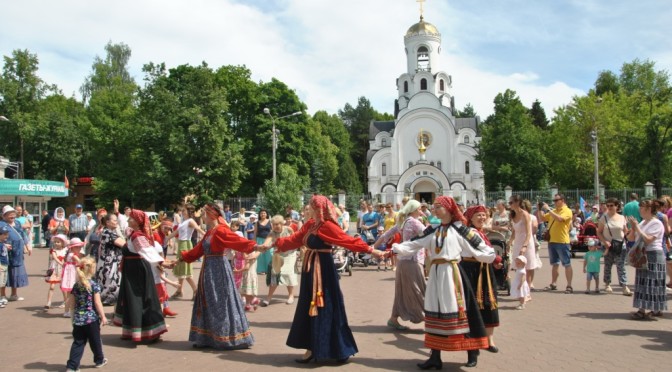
{"x": 425, "y": 151}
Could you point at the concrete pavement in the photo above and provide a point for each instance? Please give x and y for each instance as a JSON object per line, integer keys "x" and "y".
{"x": 555, "y": 332}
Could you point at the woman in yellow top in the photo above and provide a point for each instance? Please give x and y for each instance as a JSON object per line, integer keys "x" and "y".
{"x": 389, "y": 221}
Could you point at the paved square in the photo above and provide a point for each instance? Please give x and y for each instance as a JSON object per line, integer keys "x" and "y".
{"x": 555, "y": 332}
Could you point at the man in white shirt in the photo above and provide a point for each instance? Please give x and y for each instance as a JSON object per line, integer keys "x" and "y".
{"x": 345, "y": 218}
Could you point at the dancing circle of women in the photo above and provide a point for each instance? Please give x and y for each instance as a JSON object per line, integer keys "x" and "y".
{"x": 453, "y": 303}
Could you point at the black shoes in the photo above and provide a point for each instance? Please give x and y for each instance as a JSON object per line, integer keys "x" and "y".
{"x": 304, "y": 360}
{"x": 493, "y": 349}
{"x": 434, "y": 361}
{"x": 472, "y": 358}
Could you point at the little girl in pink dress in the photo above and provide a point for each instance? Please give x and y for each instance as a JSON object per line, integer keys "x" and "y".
{"x": 70, "y": 269}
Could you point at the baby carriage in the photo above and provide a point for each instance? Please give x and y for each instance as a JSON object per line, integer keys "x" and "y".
{"x": 342, "y": 260}
{"x": 587, "y": 232}
{"x": 361, "y": 257}
{"x": 498, "y": 242}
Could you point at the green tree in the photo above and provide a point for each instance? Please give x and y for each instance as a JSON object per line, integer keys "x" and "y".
{"x": 111, "y": 97}
{"x": 275, "y": 196}
{"x": 468, "y": 112}
{"x": 538, "y": 114}
{"x": 511, "y": 146}
{"x": 358, "y": 120}
{"x": 185, "y": 138}
{"x": 606, "y": 81}
{"x": 333, "y": 127}
{"x": 21, "y": 91}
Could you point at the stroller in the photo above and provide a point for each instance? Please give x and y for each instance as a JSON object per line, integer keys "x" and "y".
{"x": 342, "y": 260}
{"x": 498, "y": 241}
{"x": 587, "y": 232}
{"x": 361, "y": 258}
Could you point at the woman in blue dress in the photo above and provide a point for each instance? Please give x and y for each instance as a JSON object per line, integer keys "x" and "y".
{"x": 17, "y": 276}
{"x": 218, "y": 318}
{"x": 261, "y": 230}
{"x": 320, "y": 324}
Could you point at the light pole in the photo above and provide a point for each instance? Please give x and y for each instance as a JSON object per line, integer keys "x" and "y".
{"x": 4, "y": 118}
{"x": 593, "y": 135}
{"x": 274, "y": 139}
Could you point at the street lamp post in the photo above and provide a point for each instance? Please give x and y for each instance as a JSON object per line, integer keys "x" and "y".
{"x": 593, "y": 135}
{"x": 4, "y": 118}
{"x": 274, "y": 139}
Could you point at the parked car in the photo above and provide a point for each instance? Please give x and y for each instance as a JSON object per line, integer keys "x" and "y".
{"x": 247, "y": 216}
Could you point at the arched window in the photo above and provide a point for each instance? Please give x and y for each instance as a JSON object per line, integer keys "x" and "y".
{"x": 438, "y": 165}
{"x": 442, "y": 85}
{"x": 383, "y": 142}
{"x": 423, "y": 59}
{"x": 423, "y": 84}
{"x": 466, "y": 139}
{"x": 384, "y": 170}
{"x": 431, "y": 163}
{"x": 466, "y": 167}
{"x": 405, "y": 86}
{"x": 410, "y": 164}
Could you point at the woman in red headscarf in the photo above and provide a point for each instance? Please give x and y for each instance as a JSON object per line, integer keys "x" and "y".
{"x": 138, "y": 310}
{"x": 481, "y": 276}
{"x": 452, "y": 319}
{"x": 320, "y": 324}
{"x": 218, "y": 318}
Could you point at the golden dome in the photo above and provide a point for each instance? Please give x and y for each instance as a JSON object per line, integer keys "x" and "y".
{"x": 422, "y": 28}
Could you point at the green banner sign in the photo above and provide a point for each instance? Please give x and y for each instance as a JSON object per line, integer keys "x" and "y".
{"x": 32, "y": 188}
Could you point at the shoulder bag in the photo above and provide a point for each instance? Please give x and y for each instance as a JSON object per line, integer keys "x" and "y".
{"x": 637, "y": 255}
{"x": 546, "y": 236}
{"x": 616, "y": 245}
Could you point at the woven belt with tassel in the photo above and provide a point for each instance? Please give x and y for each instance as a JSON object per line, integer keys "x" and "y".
{"x": 313, "y": 258}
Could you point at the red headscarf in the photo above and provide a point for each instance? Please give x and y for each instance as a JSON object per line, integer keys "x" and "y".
{"x": 323, "y": 209}
{"x": 450, "y": 205}
{"x": 471, "y": 211}
{"x": 143, "y": 224}
{"x": 215, "y": 214}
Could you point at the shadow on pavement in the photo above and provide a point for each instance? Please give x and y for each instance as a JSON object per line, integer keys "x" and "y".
{"x": 607, "y": 316}
{"x": 44, "y": 366}
{"x": 354, "y": 363}
{"x": 662, "y": 339}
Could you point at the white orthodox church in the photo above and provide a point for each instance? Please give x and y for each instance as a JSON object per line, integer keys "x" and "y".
{"x": 425, "y": 152}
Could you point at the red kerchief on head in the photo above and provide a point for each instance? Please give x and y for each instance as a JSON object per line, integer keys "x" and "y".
{"x": 323, "y": 209}
{"x": 215, "y": 214}
{"x": 471, "y": 211}
{"x": 143, "y": 223}
{"x": 450, "y": 205}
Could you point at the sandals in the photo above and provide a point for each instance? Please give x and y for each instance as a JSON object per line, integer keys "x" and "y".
{"x": 569, "y": 290}
{"x": 551, "y": 287}
{"x": 640, "y": 315}
{"x": 657, "y": 314}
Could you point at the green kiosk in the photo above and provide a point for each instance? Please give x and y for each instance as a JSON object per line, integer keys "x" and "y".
{"x": 33, "y": 196}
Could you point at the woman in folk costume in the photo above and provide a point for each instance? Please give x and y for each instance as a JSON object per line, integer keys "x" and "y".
{"x": 452, "y": 319}
{"x": 320, "y": 324}
{"x": 409, "y": 285}
{"x": 482, "y": 277}
{"x": 138, "y": 310}
{"x": 218, "y": 318}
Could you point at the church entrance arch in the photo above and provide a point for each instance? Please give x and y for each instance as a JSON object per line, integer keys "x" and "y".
{"x": 424, "y": 182}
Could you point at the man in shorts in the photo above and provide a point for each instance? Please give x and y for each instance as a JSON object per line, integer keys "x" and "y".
{"x": 558, "y": 220}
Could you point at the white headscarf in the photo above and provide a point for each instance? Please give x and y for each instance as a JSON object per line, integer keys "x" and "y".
{"x": 410, "y": 207}
{"x": 56, "y": 214}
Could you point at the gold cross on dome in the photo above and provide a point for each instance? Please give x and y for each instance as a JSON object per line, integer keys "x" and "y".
{"x": 421, "y": 2}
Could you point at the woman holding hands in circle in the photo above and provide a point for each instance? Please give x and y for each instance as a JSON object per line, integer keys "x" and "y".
{"x": 320, "y": 324}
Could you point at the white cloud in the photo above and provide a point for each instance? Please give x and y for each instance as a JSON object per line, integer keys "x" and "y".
{"x": 329, "y": 52}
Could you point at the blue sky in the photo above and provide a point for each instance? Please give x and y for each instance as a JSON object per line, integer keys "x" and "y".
{"x": 332, "y": 52}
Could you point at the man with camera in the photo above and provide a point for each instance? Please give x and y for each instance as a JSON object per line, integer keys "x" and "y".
{"x": 558, "y": 221}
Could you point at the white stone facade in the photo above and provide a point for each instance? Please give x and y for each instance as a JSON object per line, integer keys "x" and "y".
{"x": 425, "y": 105}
